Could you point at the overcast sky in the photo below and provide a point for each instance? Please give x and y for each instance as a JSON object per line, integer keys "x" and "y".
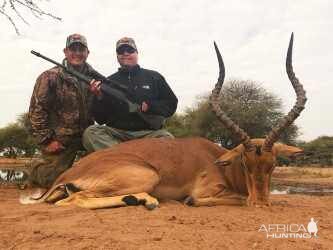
{"x": 176, "y": 38}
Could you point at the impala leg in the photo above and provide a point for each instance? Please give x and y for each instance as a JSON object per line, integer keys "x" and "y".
{"x": 219, "y": 201}
{"x": 128, "y": 186}
{"x": 149, "y": 201}
{"x": 224, "y": 198}
{"x": 89, "y": 200}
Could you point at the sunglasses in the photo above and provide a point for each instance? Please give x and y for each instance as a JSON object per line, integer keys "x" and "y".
{"x": 77, "y": 47}
{"x": 123, "y": 49}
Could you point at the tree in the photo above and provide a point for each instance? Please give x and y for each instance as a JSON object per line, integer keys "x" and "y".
{"x": 24, "y": 122}
{"x": 254, "y": 109}
{"x": 177, "y": 126}
{"x": 12, "y": 9}
{"x": 15, "y": 139}
{"x": 318, "y": 151}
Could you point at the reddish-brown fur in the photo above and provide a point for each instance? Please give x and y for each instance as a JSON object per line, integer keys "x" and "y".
{"x": 177, "y": 164}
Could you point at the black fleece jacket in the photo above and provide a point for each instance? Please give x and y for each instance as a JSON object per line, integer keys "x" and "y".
{"x": 141, "y": 85}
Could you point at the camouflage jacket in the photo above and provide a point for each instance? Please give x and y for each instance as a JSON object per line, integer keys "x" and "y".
{"x": 60, "y": 106}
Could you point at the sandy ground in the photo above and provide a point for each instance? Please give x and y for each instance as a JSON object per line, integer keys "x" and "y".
{"x": 171, "y": 226}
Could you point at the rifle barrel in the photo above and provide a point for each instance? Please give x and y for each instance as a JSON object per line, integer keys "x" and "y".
{"x": 47, "y": 59}
{"x": 75, "y": 73}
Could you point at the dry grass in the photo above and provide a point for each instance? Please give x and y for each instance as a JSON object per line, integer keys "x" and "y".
{"x": 310, "y": 177}
{"x": 303, "y": 172}
{"x": 315, "y": 173}
{"x": 10, "y": 161}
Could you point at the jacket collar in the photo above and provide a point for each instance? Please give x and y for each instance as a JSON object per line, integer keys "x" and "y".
{"x": 132, "y": 70}
{"x": 86, "y": 69}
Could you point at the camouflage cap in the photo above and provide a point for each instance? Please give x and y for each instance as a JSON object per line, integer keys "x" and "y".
{"x": 126, "y": 41}
{"x": 76, "y": 38}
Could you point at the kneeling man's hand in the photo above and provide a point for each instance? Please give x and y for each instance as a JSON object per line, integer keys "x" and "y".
{"x": 144, "y": 107}
{"x": 95, "y": 87}
{"x": 54, "y": 147}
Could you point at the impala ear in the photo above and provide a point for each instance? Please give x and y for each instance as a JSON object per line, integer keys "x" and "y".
{"x": 287, "y": 151}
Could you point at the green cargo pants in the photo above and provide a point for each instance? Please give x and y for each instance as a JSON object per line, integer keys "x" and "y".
{"x": 46, "y": 170}
{"x": 98, "y": 137}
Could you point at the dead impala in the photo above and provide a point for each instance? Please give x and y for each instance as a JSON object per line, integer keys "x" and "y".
{"x": 193, "y": 170}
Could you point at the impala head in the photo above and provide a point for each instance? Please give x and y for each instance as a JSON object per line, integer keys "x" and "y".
{"x": 257, "y": 166}
{"x": 257, "y": 157}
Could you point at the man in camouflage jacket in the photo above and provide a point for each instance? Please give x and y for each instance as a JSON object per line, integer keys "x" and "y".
{"x": 59, "y": 113}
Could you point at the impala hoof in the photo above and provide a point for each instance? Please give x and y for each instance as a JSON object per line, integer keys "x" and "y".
{"x": 189, "y": 201}
{"x": 151, "y": 206}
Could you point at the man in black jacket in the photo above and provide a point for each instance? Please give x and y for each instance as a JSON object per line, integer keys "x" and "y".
{"x": 147, "y": 88}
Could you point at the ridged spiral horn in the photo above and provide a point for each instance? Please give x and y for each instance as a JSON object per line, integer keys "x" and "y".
{"x": 286, "y": 121}
{"x": 214, "y": 102}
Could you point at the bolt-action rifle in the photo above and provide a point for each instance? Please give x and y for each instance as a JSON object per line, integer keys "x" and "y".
{"x": 111, "y": 88}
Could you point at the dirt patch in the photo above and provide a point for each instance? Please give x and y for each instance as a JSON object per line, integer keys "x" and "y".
{"x": 171, "y": 226}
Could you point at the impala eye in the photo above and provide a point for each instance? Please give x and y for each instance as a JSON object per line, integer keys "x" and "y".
{"x": 298, "y": 154}
{"x": 222, "y": 163}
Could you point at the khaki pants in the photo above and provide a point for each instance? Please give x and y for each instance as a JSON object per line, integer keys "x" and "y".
{"x": 46, "y": 171}
{"x": 98, "y": 137}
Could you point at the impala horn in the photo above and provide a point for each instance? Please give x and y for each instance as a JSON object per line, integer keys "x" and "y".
{"x": 286, "y": 121}
{"x": 214, "y": 102}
